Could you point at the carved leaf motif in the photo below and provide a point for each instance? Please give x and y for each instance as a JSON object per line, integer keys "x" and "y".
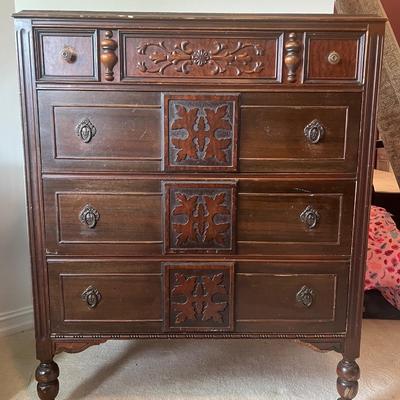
{"x": 185, "y": 232}
{"x": 199, "y": 303}
{"x": 201, "y": 213}
{"x": 201, "y": 141}
{"x": 214, "y": 311}
{"x": 185, "y": 287}
{"x": 186, "y": 205}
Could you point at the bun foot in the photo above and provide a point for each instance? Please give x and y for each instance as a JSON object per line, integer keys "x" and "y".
{"x": 46, "y": 376}
{"x": 347, "y": 382}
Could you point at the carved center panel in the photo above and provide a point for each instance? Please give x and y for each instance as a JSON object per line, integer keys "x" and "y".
{"x": 218, "y": 57}
{"x": 199, "y": 217}
{"x": 200, "y": 132}
{"x": 202, "y": 57}
{"x": 198, "y": 297}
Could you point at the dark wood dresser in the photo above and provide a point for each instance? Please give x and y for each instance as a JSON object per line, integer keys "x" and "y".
{"x": 198, "y": 176}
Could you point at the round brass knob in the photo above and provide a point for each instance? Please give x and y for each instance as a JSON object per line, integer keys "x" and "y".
{"x": 334, "y": 58}
{"x": 68, "y": 54}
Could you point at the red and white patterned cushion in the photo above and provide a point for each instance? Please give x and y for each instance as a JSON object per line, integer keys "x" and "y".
{"x": 383, "y": 260}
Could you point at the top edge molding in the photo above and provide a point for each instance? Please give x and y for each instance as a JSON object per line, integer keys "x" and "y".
{"x": 139, "y": 16}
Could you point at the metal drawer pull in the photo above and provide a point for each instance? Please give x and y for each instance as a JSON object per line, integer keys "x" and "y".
{"x": 91, "y": 296}
{"x": 305, "y": 296}
{"x": 314, "y": 131}
{"x": 68, "y": 54}
{"x": 334, "y": 58}
{"x": 89, "y": 216}
{"x": 86, "y": 130}
{"x": 310, "y": 217}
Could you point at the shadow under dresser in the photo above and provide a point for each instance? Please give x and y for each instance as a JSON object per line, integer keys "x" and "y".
{"x": 198, "y": 176}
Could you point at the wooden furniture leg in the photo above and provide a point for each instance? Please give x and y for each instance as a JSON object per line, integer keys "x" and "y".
{"x": 347, "y": 382}
{"x": 46, "y": 375}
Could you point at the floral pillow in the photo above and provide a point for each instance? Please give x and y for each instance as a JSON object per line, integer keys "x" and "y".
{"x": 383, "y": 260}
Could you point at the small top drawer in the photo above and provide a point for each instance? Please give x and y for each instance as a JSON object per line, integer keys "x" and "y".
{"x": 335, "y": 57}
{"x": 67, "y": 55}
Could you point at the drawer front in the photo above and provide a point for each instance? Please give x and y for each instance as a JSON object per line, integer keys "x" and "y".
{"x": 212, "y": 57}
{"x": 151, "y": 217}
{"x": 306, "y": 297}
{"x": 150, "y": 131}
{"x": 295, "y": 217}
{"x": 100, "y": 131}
{"x": 335, "y": 57}
{"x": 136, "y": 297}
{"x": 307, "y": 132}
{"x": 67, "y": 54}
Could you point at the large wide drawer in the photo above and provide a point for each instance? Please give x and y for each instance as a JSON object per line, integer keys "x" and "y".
{"x": 99, "y": 296}
{"x": 199, "y": 132}
{"x": 133, "y": 216}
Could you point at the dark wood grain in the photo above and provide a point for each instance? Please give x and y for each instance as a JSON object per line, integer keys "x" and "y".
{"x": 294, "y": 196}
{"x": 200, "y": 217}
{"x": 200, "y": 132}
{"x": 128, "y": 127}
{"x": 349, "y": 49}
{"x": 277, "y": 284}
{"x": 272, "y": 136}
{"x": 47, "y": 383}
{"x": 129, "y": 216}
{"x": 190, "y": 56}
{"x": 67, "y": 54}
{"x": 269, "y": 217}
{"x": 198, "y": 297}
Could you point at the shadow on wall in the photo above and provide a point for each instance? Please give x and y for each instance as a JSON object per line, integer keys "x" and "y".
{"x": 15, "y": 274}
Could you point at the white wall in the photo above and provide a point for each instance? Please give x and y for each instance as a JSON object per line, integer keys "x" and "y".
{"x": 15, "y": 281}
{"x": 266, "y": 6}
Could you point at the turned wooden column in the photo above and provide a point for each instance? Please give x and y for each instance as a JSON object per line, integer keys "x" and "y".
{"x": 46, "y": 376}
{"x": 348, "y": 375}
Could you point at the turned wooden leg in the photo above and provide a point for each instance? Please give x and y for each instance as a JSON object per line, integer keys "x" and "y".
{"x": 348, "y": 376}
{"x": 46, "y": 376}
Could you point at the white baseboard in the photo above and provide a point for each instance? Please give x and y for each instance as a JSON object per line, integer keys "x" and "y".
{"x": 16, "y": 321}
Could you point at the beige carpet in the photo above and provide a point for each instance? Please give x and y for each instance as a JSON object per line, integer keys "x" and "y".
{"x": 205, "y": 370}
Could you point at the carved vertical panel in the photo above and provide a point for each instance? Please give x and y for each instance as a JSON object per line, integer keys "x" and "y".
{"x": 200, "y": 132}
{"x": 109, "y": 57}
{"x": 198, "y": 297}
{"x": 199, "y": 217}
{"x": 292, "y": 56}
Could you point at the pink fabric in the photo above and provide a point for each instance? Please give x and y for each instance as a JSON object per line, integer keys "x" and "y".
{"x": 383, "y": 260}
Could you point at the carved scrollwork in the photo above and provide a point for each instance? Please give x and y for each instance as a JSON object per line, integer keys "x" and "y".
{"x": 305, "y": 296}
{"x": 89, "y": 216}
{"x": 310, "y": 217}
{"x": 68, "y": 54}
{"x": 242, "y": 58}
{"x": 321, "y": 346}
{"x": 86, "y": 130}
{"x": 292, "y": 57}
{"x": 75, "y": 347}
{"x": 314, "y": 131}
{"x": 91, "y": 296}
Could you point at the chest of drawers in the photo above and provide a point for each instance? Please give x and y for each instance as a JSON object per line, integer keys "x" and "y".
{"x": 198, "y": 176}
